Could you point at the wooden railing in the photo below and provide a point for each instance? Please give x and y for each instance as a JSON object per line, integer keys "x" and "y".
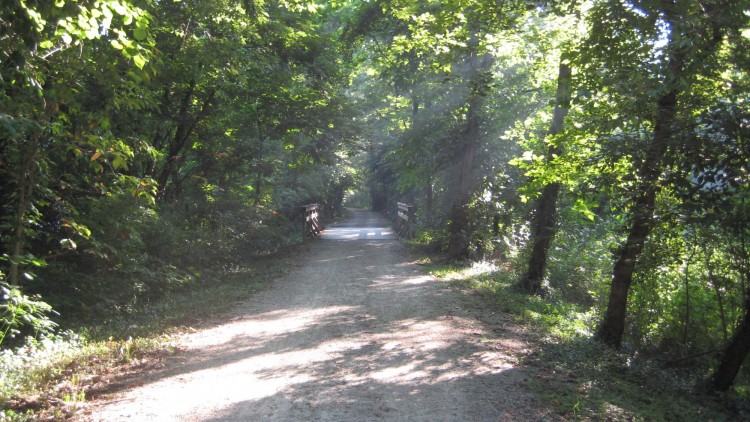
{"x": 313, "y": 226}
{"x": 405, "y": 220}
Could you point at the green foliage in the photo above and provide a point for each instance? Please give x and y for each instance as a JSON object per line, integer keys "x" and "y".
{"x": 563, "y": 319}
{"x": 147, "y": 150}
{"x": 150, "y": 149}
{"x": 20, "y": 313}
{"x": 33, "y": 364}
{"x": 584, "y": 379}
{"x": 59, "y": 369}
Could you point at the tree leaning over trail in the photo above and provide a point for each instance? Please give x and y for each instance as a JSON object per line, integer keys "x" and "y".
{"x": 735, "y": 353}
{"x": 732, "y": 203}
{"x": 692, "y": 33}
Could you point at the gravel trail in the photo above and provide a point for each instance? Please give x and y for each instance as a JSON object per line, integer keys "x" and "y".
{"x": 355, "y": 332}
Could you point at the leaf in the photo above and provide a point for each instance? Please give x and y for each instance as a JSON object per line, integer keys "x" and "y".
{"x": 139, "y": 60}
{"x": 140, "y": 33}
{"x": 46, "y": 44}
{"x": 68, "y": 244}
{"x": 96, "y": 155}
{"x": 59, "y": 3}
{"x": 119, "y": 163}
{"x": 119, "y": 8}
{"x": 67, "y": 39}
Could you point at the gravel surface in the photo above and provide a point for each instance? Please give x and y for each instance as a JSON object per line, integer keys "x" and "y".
{"x": 355, "y": 332}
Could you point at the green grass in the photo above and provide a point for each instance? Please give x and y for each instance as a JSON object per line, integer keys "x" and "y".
{"x": 497, "y": 285}
{"x": 49, "y": 378}
{"x": 582, "y": 379}
{"x": 197, "y": 305}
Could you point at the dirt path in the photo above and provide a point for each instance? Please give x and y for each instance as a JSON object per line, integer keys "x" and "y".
{"x": 355, "y": 332}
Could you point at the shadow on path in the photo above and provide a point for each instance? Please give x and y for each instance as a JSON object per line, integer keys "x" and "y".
{"x": 355, "y": 332}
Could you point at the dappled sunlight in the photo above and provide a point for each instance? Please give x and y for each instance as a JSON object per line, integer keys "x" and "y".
{"x": 344, "y": 333}
{"x": 419, "y": 280}
{"x": 480, "y": 268}
{"x": 398, "y": 373}
{"x": 409, "y": 353}
{"x": 274, "y": 322}
{"x": 475, "y": 270}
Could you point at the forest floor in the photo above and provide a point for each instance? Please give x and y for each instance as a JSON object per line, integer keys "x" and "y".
{"x": 355, "y": 331}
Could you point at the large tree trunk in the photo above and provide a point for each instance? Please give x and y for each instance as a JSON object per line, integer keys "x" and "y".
{"x": 734, "y": 354}
{"x": 544, "y": 224}
{"x": 459, "y": 231}
{"x": 458, "y": 242}
{"x": 544, "y": 227}
{"x": 612, "y": 326}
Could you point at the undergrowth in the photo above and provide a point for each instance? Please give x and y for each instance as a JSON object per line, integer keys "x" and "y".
{"x": 581, "y": 379}
{"x": 50, "y": 377}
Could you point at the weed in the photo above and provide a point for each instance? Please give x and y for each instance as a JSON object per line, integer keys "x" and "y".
{"x": 46, "y": 378}
{"x": 581, "y": 378}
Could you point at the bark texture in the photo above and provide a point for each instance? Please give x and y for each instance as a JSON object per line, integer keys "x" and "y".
{"x": 545, "y": 220}
{"x": 458, "y": 243}
{"x": 734, "y": 354}
{"x": 460, "y": 230}
{"x": 186, "y": 124}
{"x": 612, "y": 326}
{"x": 684, "y": 62}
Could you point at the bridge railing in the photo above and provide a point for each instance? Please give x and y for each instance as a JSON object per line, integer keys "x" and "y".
{"x": 312, "y": 224}
{"x": 405, "y": 220}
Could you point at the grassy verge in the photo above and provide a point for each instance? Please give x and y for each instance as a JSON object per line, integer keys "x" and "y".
{"x": 50, "y": 379}
{"x": 580, "y": 378}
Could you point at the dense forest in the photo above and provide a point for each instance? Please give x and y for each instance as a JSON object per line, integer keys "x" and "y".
{"x": 597, "y": 149}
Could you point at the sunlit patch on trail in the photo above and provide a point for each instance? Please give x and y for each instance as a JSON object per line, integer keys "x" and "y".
{"x": 419, "y": 280}
{"x": 267, "y": 323}
{"x": 351, "y": 335}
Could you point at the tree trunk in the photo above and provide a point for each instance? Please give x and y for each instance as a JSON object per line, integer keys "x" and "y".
{"x": 460, "y": 230}
{"x": 543, "y": 231}
{"x": 26, "y": 180}
{"x": 686, "y": 322}
{"x": 429, "y": 203}
{"x": 185, "y": 126}
{"x": 544, "y": 224}
{"x": 612, "y": 326}
{"x": 717, "y": 290}
{"x": 458, "y": 242}
{"x": 734, "y": 354}
{"x": 259, "y": 171}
